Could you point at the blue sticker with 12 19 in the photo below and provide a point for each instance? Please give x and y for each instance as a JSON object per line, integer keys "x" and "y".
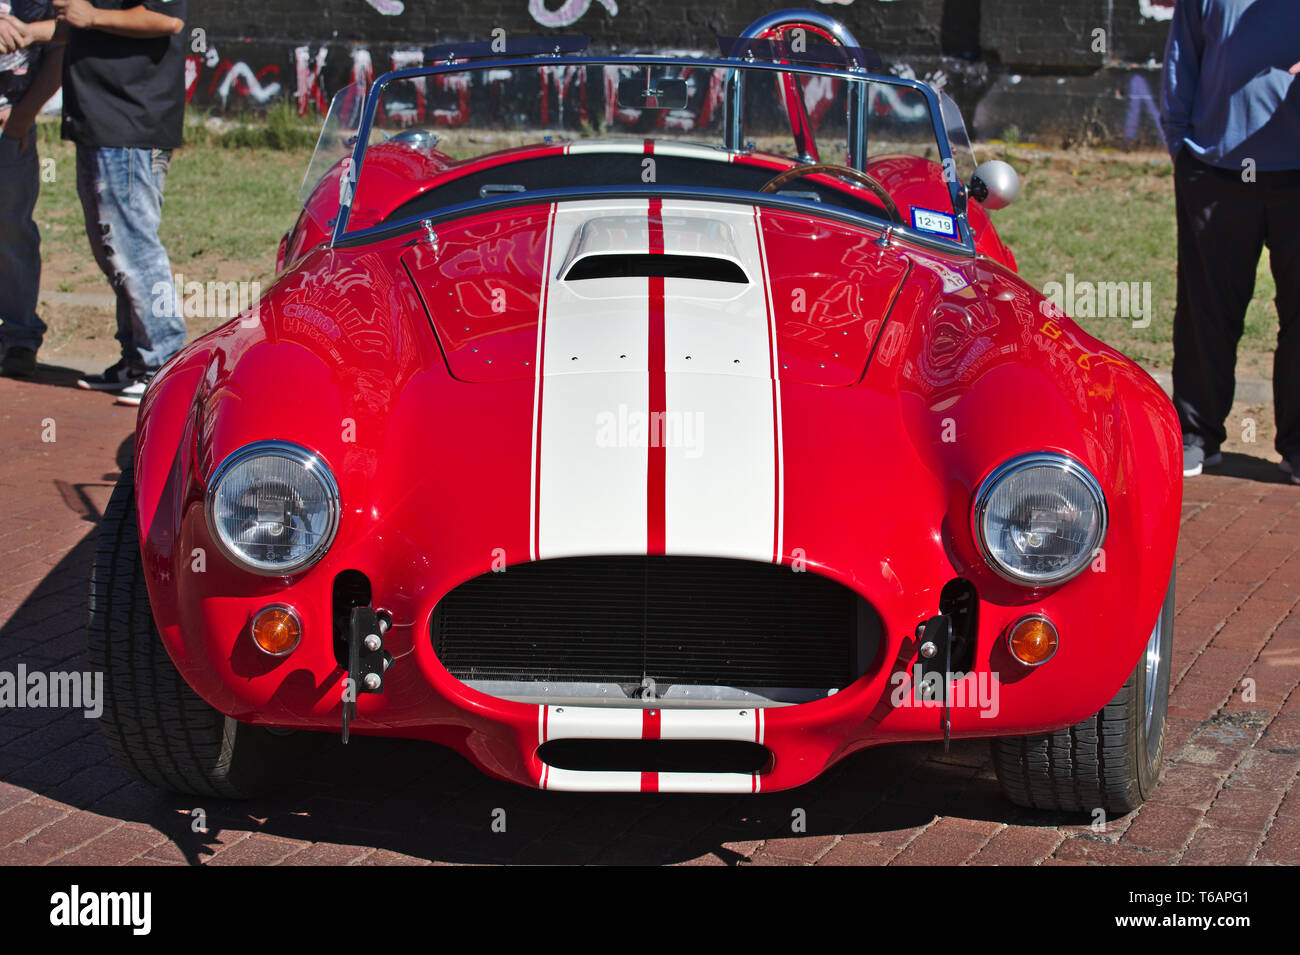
{"x": 927, "y": 220}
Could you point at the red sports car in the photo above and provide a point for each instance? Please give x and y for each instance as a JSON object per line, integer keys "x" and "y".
{"x": 646, "y": 423}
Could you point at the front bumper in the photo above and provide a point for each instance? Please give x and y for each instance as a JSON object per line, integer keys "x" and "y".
{"x": 996, "y": 696}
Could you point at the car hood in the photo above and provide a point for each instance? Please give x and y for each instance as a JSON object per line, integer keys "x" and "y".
{"x": 640, "y": 287}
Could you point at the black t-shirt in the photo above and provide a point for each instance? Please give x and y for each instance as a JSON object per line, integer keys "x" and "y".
{"x": 121, "y": 92}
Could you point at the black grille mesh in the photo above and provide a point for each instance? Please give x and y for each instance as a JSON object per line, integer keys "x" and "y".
{"x": 677, "y": 620}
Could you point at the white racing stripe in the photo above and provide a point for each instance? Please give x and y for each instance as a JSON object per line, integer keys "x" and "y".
{"x": 737, "y": 725}
{"x": 661, "y": 148}
{"x": 572, "y": 780}
{"x": 628, "y": 723}
{"x": 592, "y": 722}
{"x": 592, "y": 498}
{"x": 721, "y": 476}
{"x": 721, "y": 467}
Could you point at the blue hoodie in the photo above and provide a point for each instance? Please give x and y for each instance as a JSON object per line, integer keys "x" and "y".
{"x": 1227, "y": 93}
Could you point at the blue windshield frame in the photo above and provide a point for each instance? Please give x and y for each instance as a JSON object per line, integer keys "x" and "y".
{"x": 957, "y": 190}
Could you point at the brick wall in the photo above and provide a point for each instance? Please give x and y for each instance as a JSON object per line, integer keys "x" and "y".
{"x": 1047, "y": 70}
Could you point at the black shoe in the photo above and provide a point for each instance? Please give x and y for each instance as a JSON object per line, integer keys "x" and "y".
{"x": 18, "y": 362}
{"x": 113, "y": 378}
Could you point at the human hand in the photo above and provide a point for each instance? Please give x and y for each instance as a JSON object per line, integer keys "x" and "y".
{"x": 75, "y": 13}
{"x": 13, "y": 34}
{"x": 1295, "y": 69}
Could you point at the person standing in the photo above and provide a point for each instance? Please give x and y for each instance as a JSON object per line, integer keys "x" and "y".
{"x": 1230, "y": 112}
{"x": 124, "y": 107}
{"x": 29, "y": 76}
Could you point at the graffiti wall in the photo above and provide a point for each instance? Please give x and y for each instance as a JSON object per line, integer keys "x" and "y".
{"x": 1046, "y": 70}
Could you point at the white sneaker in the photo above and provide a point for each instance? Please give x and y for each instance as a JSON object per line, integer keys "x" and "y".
{"x": 113, "y": 378}
{"x": 133, "y": 393}
{"x": 1194, "y": 460}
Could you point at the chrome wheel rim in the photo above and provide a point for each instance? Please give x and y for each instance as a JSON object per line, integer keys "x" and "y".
{"x": 1151, "y": 671}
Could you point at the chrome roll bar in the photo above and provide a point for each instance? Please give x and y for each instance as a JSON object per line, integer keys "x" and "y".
{"x": 772, "y": 23}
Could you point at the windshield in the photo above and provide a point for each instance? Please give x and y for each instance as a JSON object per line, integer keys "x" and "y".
{"x": 954, "y": 127}
{"x": 337, "y": 136}
{"x": 488, "y": 131}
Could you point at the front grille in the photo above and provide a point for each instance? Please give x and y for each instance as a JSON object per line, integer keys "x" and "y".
{"x": 655, "y": 622}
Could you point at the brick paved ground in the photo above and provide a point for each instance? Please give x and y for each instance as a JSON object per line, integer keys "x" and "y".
{"x": 1229, "y": 793}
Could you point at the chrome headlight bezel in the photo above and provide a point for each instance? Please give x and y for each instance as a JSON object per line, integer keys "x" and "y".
{"x": 991, "y": 483}
{"x": 310, "y": 462}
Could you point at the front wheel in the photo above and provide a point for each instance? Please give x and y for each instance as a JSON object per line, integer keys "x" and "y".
{"x": 158, "y": 728}
{"x": 1110, "y": 761}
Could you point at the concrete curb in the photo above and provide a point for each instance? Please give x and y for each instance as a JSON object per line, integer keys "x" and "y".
{"x": 1253, "y": 391}
{"x": 106, "y": 303}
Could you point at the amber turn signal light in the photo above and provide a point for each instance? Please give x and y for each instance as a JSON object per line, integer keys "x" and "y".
{"x": 276, "y": 630}
{"x": 1033, "y": 640}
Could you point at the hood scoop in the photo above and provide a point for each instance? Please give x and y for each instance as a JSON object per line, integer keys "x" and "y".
{"x": 622, "y": 265}
{"x": 693, "y": 247}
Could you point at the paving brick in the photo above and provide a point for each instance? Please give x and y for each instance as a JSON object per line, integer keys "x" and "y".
{"x": 945, "y": 843}
{"x": 851, "y": 851}
{"x": 1186, "y": 786}
{"x": 20, "y": 822}
{"x": 1081, "y": 849}
{"x": 1290, "y": 806}
{"x": 118, "y": 847}
{"x": 75, "y": 830}
{"x": 259, "y": 850}
{"x": 1197, "y": 697}
{"x": 1018, "y": 846}
{"x": 1282, "y": 843}
{"x": 801, "y": 848}
{"x": 26, "y": 853}
{"x": 389, "y": 857}
{"x": 1162, "y": 827}
{"x": 1260, "y": 769}
{"x": 1247, "y": 809}
{"x": 324, "y": 853}
{"x": 1220, "y": 847}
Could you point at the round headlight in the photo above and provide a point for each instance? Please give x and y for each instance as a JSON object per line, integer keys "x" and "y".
{"x": 273, "y": 507}
{"x": 1039, "y": 519}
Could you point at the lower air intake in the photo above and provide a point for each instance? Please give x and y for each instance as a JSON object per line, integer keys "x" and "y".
{"x": 659, "y": 630}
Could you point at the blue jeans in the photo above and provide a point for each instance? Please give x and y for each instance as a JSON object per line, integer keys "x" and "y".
{"x": 121, "y": 194}
{"x": 20, "y": 243}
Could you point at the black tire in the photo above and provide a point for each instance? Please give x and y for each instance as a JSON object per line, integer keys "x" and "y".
{"x": 157, "y": 728}
{"x": 1110, "y": 761}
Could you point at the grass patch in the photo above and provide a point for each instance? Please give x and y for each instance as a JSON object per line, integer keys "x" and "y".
{"x": 224, "y": 212}
{"x": 279, "y": 129}
{"x": 1112, "y": 220}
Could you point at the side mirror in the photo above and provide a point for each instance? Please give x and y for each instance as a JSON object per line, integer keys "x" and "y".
{"x": 995, "y": 184}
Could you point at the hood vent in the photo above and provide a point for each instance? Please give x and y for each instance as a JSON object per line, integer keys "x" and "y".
{"x": 620, "y": 265}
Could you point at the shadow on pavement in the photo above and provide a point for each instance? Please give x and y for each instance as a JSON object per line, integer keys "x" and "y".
{"x": 57, "y": 376}
{"x": 1251, "y": 468}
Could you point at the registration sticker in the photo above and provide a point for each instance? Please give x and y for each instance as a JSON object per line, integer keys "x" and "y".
{"x": 927, "y": 220}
